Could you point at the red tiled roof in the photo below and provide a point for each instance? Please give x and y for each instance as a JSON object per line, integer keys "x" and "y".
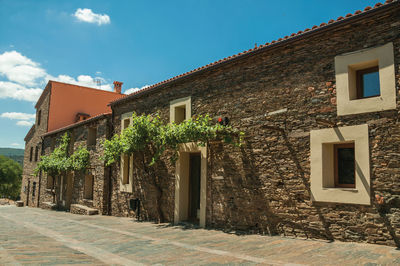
{"x": 293, "y": 36}
{"x": 91, "y": 119}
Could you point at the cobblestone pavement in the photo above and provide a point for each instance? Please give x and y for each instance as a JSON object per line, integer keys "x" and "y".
{"x": 36, "y": 236}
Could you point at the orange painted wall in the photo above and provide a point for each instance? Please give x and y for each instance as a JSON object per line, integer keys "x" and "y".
{"x": 66, "y": 100}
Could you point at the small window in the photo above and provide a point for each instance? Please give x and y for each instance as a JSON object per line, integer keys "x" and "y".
{"x": 39, "y": 117}
{"x": 180, "y": 114}
{"x": 36, "y": 153}
{"x": 344, "y": 165}
{"x": 126, "y": 123}
{"x": 92, "y": 135}
{"x": 88, "y": 189}
{"x": 180, "y": 110}
{"x": 126, "y": 169}
{"x": 368, "y": 83}
{"x": 33, "y": 189}
{"x": 31, "y": 155}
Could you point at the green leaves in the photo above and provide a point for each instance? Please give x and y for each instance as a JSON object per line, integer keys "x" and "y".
{"x": 59, "y": 161}
{"x": 147, "y": 133}
{"x": 10, "y": 178}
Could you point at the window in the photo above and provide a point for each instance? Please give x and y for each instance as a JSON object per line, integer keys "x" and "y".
{"x": 88, "y": 188}
{"x": 180, "y": 110}
{"x": 365, "y": 81}
{"x": 180, "y": 114}
{"x": 345, "y": 171}
{"x": 39, "y": 117}
{"x": 92, "y": 135}
{"x": 33, "y": 189}
{"x": 36, "y": 153}
{"x": 340, "y": 165}
{"x": 126, "y": 176}
{"x": 31, "y": 155}
{"x": 125, "y": 169}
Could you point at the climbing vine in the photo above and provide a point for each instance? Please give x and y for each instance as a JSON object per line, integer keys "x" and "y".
{"x": 148, "y": 138}
{"x": 149, "y": 133}
{"x": 60, "y": 161}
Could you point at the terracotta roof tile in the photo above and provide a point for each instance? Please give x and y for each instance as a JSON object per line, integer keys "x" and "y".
{"x": 90, "y": 119}
{"x": 286, "y": 38}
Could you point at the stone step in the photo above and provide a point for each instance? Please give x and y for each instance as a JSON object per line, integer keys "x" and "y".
{"x": 48, "y": 206}
{"x": 83, "y": 210}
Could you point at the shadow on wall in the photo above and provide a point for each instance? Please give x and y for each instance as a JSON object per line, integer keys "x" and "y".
{"x": 275, "y": 201}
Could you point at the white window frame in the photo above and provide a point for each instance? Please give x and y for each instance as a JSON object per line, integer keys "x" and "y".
{"x": 126, "y": 187}
{"x": 322, "y": 167}
{"x": 182, "y": 102}
{"x": 346, "y": 66}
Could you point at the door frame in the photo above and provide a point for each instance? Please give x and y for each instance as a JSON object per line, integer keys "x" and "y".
{"x": 182, "y": 182}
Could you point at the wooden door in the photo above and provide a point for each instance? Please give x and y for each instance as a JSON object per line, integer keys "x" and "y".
{"x": 194, "y": 186}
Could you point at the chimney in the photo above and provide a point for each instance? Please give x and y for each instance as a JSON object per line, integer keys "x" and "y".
{"x": 118, "y": 86}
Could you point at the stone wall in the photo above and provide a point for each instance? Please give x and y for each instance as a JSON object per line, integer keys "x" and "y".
{"x": 264, "y": 186}
{"x": 79, "y": 136}
{"x": 33, "y": 140}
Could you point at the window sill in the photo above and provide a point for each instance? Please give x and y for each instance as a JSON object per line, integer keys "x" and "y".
{"x": 341, "y": 188}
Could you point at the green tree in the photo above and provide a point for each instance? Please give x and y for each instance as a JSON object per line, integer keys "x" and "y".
{"x": 10, "y": 178}
{"x": 60, "y": 161}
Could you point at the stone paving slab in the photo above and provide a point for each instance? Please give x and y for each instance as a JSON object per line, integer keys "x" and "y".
{"x": 31, "y": 236}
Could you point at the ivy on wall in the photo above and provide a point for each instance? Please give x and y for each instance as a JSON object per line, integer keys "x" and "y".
{"x": 60, "y": 161}
{"x": 148, "y": 133}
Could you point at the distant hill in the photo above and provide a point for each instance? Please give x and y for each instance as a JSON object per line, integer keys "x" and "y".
{"x": 15, "y": 154}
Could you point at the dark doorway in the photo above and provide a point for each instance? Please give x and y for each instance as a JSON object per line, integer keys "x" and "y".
{"x": 194, "y": 187}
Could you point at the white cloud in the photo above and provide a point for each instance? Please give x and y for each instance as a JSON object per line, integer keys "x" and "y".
{"x": 24, "y": 78}
{"x": 18, "y": 92}
{"x": 87, "y": 15}
{"x": 25, "y": 123}
{"x": 18, "y": 116}
{"x": 15, "y": 144}
{"x": 132, "y": 90}
{"x": 24, "y": 118}
{"x": 20, "y": 69}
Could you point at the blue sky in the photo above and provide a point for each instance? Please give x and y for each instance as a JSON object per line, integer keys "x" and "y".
{"x": 137, "y": 42}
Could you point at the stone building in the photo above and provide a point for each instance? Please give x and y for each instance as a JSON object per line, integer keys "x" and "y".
{"x": 60, "y": 105}
{"x": 79, "y": 192}
{"x": 320, "y": 110}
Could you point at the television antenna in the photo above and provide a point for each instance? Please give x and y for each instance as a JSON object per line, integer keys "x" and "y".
{"x": 98, "y": 82}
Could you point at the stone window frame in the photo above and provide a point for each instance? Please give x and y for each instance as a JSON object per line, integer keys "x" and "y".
{"x": 185, "y": 102}
{"x": 322, "y": 186}
{"x": 346, "y": 67}
{"x": 126, "y": 179}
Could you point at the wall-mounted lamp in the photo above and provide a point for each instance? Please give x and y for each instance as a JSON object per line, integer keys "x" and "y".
{"x": 223, "y": 121}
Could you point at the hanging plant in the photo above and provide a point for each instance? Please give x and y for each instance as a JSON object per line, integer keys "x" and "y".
{"x": 149, "y": 133}
{"x": 59, "y": 160}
